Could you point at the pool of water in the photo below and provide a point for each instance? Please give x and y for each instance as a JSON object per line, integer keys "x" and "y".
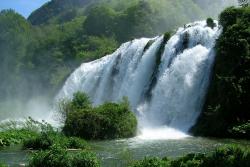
{"x": 119, "y": 153}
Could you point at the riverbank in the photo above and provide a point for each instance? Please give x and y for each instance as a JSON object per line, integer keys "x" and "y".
{"x": 121, "y": 153}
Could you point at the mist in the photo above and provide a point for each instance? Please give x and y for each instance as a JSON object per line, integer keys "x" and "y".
{"x": 213, "y": 8}
{"x": 38, "y": 108}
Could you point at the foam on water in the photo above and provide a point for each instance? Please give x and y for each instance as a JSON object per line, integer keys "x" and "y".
{"x": 160, "y": 133}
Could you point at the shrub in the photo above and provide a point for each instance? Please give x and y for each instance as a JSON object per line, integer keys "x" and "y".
{"x": 58, "y": 157}
{"x": 16, "y": 132}
{"x": 85, "y": 159}
{"x": 78, "y": 102}
{"x": 13, "y": 137}
{"x": 2, "y": 165}
{"x": 229, "y": 16}
{"x": 55, "y": 157}
{"x": 41, "y": 142}
{"x": 76, "y": 143}
{"x": 189, "y": 160}
{"x": 46, "y": 140}
{"x": 107, "y": 121}
{"x": 210, "y": 23}
{"x": 228, "y": 156}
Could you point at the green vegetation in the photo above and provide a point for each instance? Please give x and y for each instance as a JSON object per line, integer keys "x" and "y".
{"x": 226, "y": 110}
{"x": 210, "y": 23}
{"x": 37, "y": 136}
{"x": 58, "y": 157}
{"x": 13, "y": 137}
{"x": 54, "y": 146}
{"x": 13, "y": 132}
{"x": 107, "y": 121}
{"x": 45, "y": 140}
{"x": 37, "y": 60}
{"x": 2, "y": 165}
{"x": 230, "y": 156}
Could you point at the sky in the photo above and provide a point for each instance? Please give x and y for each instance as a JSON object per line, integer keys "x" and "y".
{"x": 24, "y": 7}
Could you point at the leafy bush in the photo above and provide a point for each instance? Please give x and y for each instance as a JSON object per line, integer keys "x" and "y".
{"x": 55, "y": 157}
{"x": 43, "y": 141}
{"x": 228, "y": 156}
{"x": 189, "y": 160}
{"x": 15, "y": 132}
{"x": 78, "y": 102}
{"x": 58, "y": 157}
{"x": 107, "y": 121}
{"x": 210, "y": 23}
{"x": 36, "y": 135}
{"x": 85, "y": 159}
{"x": 46, "y": 139}
{"x": 2, "y": 165}
{"x": 13, "y": 137}
{"x": 76, "y": 143}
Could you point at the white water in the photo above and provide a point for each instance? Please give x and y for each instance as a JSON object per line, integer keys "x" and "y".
{"x": 163, "y": 132}
{"x": 167, "y": 98}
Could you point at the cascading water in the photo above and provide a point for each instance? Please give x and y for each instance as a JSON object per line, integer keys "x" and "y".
{"x": 165, "y": 82}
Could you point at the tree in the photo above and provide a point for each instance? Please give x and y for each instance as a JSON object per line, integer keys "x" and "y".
{"x": 100, "y": 21}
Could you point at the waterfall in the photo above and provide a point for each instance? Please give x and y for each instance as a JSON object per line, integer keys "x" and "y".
{"x": 165, "y": 81}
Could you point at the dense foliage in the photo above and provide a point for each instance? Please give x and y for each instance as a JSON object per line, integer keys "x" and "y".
{"x": 14, "y": 132}
{"x": 36, "y": 135}
{"x": 226, "y": 111}
{"x": 13, "y": 137}
{"x": 229, "y": 156}
{"x": 46, "y": 139}
{"x": 57, "y": 11}
{"x": 35, "y": 61}
{"x": 210, "y": 23}
{"x": 58, "y": 157}
{"x": 2, "y": 165}
{"x": 107, "y": 121}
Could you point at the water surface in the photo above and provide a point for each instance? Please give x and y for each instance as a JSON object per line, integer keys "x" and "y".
{"x": 118, "y": 153}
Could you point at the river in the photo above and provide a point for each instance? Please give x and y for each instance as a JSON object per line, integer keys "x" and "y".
{"x": 119, "y": 153}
